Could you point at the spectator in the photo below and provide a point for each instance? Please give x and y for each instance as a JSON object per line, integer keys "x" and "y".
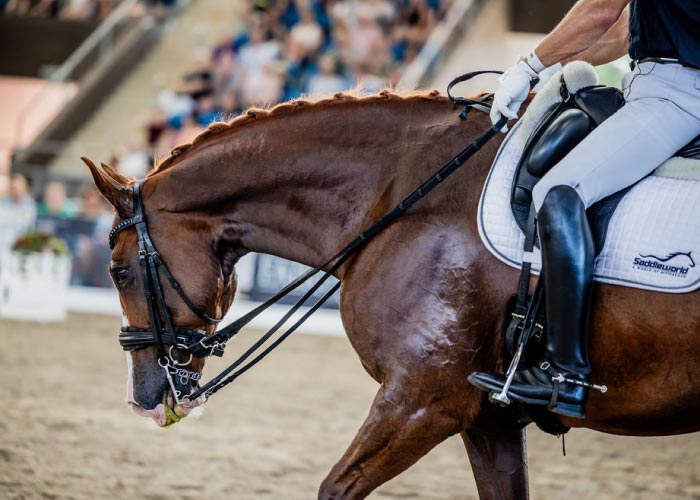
{"x": 228, "y": 103}
{"x": 56, "y": 203}
{"x": 328, "y": 80}
{"x": 17, "y": 212}
{"x": 306, "y": 36}
{"x": 92, "y": 205}
{"x": 132, "y": 162}
{"x": 175, "y": 105}
{"x": 364, "y": 42}
{"x": 260, "y": 81}
{"x": 206, "y": 111}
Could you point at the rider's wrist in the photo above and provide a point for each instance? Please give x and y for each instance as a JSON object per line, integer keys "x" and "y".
{"x": 523, "y": 64}
{"x": 534, "y": 62}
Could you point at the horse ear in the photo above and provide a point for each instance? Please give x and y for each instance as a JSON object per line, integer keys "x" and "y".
{"x": 113, "y": 186}
{"x": 112, "y": 172}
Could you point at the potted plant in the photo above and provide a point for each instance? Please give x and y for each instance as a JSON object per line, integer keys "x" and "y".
{"x": 34, "y": 278}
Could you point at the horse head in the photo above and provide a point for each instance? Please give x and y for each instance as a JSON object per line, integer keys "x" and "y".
{"x": 191, "y": 250}
{"x": 690, "y": 257}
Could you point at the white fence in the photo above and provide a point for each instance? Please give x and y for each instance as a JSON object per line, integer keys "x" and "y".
{"x": 33, "y": 287}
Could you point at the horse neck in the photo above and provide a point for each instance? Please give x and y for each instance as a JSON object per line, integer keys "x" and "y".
{"x": 302, "y": 185}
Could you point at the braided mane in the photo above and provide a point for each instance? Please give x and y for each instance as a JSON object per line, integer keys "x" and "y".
{"x": 253, "y": 114}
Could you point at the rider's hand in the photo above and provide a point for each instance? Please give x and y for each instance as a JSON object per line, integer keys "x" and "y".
{"x": 514, "y": 89}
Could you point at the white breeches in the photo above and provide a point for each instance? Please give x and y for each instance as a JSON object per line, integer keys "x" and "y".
{"x": 661, "y": 116}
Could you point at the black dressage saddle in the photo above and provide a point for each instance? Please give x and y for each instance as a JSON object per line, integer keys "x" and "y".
{"x": 561, "y": 128}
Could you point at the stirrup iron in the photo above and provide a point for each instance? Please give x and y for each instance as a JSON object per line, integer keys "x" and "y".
{"x": 528, "y": 326}
{"x": 502, "y": 398}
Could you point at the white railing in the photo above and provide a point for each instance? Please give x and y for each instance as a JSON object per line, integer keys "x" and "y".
{"x": 102, "y": 37}
{"x": 438, "y": 43}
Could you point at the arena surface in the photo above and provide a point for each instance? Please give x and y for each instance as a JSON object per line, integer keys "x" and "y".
{"x": 65, "y": 432}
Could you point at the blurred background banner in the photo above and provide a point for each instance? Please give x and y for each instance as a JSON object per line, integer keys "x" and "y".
{"x": 272, "y": 273}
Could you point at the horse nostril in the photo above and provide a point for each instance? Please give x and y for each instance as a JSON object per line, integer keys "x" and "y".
{"x": 148, "y": 401}
{"x": 149, "y": 384}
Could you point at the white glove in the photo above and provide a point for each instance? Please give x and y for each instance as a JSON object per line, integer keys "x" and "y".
{"x": 514, "y": 89}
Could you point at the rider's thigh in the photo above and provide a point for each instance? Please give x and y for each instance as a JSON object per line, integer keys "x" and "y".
{"x": 622, "y": 150}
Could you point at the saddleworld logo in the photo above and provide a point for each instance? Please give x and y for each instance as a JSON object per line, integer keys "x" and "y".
{"x": 675, "y": 264}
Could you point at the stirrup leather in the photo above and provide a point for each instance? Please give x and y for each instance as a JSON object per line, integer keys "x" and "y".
{"x": 558, "y": 378}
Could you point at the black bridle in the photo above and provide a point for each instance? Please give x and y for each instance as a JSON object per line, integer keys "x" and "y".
{"x": 176, "y": 348}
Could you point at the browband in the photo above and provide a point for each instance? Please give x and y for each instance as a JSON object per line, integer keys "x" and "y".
{"x": 126, "y": 223}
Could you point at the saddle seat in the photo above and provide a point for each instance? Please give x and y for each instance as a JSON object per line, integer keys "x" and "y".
{"x": 646, "y": 236}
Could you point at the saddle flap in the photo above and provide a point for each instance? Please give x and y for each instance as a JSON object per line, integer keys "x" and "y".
{"x": 565, "y": 132}
{"x": 556, "y": 134}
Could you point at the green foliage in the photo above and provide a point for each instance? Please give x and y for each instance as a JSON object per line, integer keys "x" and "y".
{"x": 35, "y": 242}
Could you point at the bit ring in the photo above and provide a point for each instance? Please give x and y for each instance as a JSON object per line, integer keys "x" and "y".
{"x": 175, "y": 361}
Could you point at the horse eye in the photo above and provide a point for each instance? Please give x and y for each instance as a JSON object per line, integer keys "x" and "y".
{"x": 121, "y": 275}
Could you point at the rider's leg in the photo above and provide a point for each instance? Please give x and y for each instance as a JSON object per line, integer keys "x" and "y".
{"x": 624, "y": 149}
{"x": 567, "y": 257}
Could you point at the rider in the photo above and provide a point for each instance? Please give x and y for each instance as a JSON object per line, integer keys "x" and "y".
{"x": 662, "y": 114}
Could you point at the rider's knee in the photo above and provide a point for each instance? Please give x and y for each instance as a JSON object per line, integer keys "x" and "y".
{"x": 557, "y": 194}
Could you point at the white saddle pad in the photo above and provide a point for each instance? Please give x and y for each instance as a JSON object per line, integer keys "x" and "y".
{"x": 653, "y": 239}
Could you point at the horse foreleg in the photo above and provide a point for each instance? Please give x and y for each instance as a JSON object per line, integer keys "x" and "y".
{"x": 399, "y": 430}
{"x": 499, "y": 462}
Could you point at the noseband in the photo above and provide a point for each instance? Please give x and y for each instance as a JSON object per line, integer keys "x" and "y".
{"x": 176, "y": 348}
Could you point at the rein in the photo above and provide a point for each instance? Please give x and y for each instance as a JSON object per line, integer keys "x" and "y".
{"x": 177, "y": 347}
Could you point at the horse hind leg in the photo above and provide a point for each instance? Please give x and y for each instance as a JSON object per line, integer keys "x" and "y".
{"x": 400, "y": 429}
{"x": 499, "y": 462}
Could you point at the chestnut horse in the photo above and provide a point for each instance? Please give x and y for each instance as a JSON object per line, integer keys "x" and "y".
{"x": 423, "y": 304}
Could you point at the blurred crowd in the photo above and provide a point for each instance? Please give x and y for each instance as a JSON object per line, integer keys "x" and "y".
{"x": 71, "y": 9}
{"x": 83, "y": 221}
{"x": 289, "y": 48}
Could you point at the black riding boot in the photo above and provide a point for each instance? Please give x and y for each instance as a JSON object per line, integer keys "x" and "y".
{"x": 567, "y": 258}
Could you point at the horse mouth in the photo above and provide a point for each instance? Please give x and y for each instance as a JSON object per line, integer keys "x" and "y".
{"x": 167, "y": 412}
